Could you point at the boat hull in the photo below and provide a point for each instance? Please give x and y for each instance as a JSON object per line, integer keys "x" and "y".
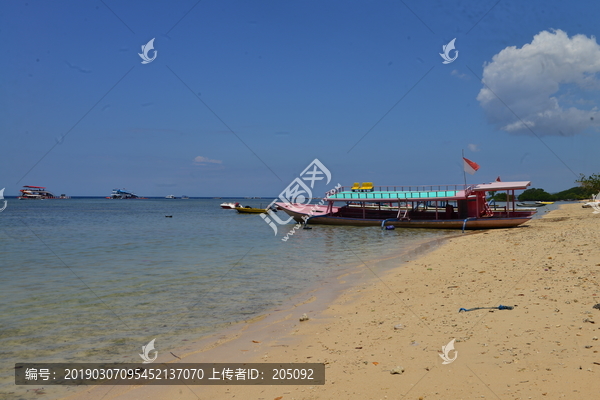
{"x": 244, "y": 210}
{"x": 472, "y": 223}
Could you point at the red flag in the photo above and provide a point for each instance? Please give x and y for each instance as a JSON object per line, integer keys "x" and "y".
{"x": 498, "y": 179}
{"x": 470, "y": 166}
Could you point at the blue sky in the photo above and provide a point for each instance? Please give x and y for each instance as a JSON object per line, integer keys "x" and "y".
{"x": 242, "y": 96}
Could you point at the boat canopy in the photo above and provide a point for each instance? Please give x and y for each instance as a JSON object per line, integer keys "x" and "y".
{"x": 399, "y": 195}
{"x": 496, "y": 186}
{"x": 460, "y": 192}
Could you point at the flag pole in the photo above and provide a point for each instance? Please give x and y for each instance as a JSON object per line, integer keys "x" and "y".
{"x": 464, "y": 172}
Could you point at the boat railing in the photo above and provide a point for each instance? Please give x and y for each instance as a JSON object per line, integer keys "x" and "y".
{"x": 415, "y": 188}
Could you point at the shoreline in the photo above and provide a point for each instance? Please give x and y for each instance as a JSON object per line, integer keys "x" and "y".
{"x": 541, "y": 348}
{"x": 219, "y": 346}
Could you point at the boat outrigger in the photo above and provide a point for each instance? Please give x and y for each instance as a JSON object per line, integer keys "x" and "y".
{"x": 434, "y": 207}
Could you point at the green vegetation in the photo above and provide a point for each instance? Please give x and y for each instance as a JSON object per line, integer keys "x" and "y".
{"x": 500, "y": 196}
{"x": 575, "y": 193}
{"x": 591, "y": 184}
{"x": 536, "y": 195}
{"x": 588, "y": 186}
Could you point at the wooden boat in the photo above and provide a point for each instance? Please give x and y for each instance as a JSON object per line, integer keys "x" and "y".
{"x": 433, "y": 207}
{"x": 536, "y": 204}
{"x": 250, "y": 210}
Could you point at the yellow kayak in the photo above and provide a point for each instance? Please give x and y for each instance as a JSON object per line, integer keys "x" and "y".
{"x": 250, "y": 210}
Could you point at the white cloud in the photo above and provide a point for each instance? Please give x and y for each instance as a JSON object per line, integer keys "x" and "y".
{"x": 455, "y": 72}
{"x": 529, "y": 80}
{"x": 203, "y": 160}
{"x": 473, "y": 147}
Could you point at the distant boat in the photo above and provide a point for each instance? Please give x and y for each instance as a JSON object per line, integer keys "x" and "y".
{"x": 184, "y": 197}
{"x": 123, "y": 194}
{"x": 64, "y": 196}
{"x": 170, "y": 197}
{"x": 230, "y": 206}
{"x": 250, "y": 210}
{"x": 35, "y": 193}
{"x": 536, "y": 204}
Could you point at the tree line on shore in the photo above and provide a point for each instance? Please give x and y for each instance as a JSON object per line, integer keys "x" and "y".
{"x": 587, "y": 187}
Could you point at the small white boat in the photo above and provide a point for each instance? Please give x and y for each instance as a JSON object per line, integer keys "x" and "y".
{"x": 230, "y": 206}
{"x": 170, "y": 197}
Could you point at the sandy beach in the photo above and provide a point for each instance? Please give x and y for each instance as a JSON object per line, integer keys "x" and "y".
{"x": 365, "y": 325}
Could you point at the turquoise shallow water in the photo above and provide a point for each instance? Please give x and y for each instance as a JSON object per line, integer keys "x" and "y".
{"x": 92, "y": 280}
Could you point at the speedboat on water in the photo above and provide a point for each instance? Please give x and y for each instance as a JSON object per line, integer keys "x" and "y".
{"x": 230, "y": 206}
{"x": 435, "y": 206}
{"x": 170, "y": 197}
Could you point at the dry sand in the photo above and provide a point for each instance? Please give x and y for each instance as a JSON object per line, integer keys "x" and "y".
{"x": 545, "y": 348}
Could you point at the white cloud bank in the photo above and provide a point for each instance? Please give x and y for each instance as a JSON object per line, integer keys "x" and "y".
{"x": 529, "y": 80}
{"x": 203, "y": 160}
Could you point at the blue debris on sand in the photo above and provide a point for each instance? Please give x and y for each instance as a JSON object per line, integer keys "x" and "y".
{"x": 500, "y": 307}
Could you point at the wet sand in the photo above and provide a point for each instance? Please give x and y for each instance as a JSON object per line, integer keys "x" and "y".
{"x": 545, "y": 348}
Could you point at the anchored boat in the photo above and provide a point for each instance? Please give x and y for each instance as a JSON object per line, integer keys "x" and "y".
{"x": 436, "y": 206}
{"x": 123, "y": 194}
{"x": 250, "y": 210}
{"x": 36, "y": 193}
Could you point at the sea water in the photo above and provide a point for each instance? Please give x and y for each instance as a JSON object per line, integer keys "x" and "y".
{"x": 92, "y": 280}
